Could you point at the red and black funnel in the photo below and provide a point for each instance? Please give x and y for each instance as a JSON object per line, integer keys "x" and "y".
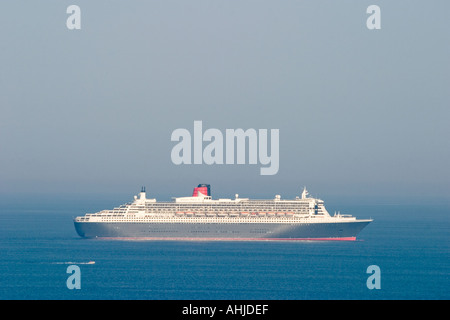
{"x": 204, "y": 189}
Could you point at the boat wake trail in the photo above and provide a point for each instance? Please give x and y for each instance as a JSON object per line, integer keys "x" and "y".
{"x": 70, "y": 262}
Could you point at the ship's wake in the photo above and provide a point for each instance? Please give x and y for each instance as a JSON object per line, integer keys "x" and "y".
{"x": 70, "y": 262}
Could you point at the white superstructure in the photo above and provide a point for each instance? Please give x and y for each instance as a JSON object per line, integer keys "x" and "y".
{"x": 203, "y": 209}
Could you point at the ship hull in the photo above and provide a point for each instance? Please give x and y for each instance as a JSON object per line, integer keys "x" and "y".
{"x": 222, "y": 231}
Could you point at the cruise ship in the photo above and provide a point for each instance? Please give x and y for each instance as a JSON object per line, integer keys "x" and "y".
{"x": 199, "y": 217}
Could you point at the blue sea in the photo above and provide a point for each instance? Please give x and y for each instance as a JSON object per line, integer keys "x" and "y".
{"x": 409, "y": 244}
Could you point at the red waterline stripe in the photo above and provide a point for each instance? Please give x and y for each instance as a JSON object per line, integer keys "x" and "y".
{"x": 229, "y": 239}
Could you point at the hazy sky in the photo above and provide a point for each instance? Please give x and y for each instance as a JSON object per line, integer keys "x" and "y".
{"x": 360, "y": 112}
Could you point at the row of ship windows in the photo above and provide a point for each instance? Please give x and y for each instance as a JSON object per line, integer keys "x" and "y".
{"x": 278, "y": 208}
{"x": 206, "y": 216}
{"x": 201, "y": 205}
{"x": 182, "y": 222}
{"x": 256, "y": 209}
{"x": 248, "y": 216}
{"x": 196, "y": 218}
{"x": 191, "y": 221}
{"x": 222, "y": 205}
{"x": 235, "y": 210}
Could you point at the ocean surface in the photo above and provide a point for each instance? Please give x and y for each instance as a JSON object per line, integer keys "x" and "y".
{"x": 409, "y": 243}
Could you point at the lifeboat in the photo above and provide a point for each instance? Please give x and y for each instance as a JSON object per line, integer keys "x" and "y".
{"x": 262, "y": 214}
{"x": 244, "y": 213}
{"x": 271, "y": 214}
{"x": 280, "y": 214}
{"x": 180, "y": 213}
{"x": 189, "y": 213}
